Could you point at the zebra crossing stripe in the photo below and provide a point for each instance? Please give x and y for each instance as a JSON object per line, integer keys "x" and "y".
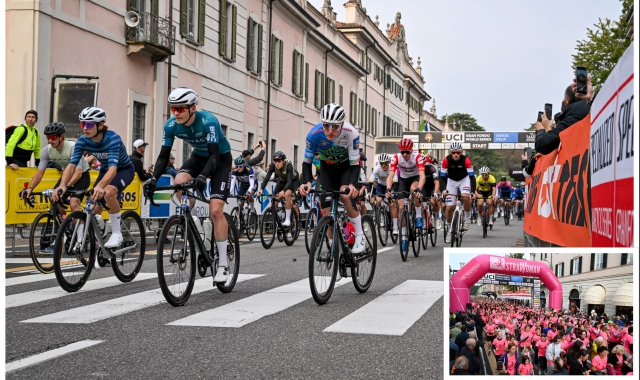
{"x": 48, "y": 355}
{"x": 27, "y": 298}
{"x": 28, "y": 279}
{"x": 123, "y": 305}
{"x": 253, "y": 308}
{"x": 394, "y": 312}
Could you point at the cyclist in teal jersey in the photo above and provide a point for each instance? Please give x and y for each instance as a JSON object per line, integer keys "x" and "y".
{"x": 211, "y": 158}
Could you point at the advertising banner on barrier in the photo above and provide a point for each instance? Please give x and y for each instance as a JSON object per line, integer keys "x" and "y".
{"x": 612, "y": 158}
{"x": 558, "y": 204}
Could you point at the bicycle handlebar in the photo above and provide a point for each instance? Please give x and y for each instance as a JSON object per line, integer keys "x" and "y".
{"x": 197, "y": 194}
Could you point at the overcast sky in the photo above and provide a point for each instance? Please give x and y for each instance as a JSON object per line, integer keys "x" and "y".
{"x": 498, "y": 60}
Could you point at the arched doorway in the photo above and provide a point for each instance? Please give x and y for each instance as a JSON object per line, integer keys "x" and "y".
{"x": 543, "y": 299}
{"x": 574, "y": 300}
{"x": 595, "y": 299}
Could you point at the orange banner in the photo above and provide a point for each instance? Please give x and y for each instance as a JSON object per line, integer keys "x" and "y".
{"x": 559, "y": 198}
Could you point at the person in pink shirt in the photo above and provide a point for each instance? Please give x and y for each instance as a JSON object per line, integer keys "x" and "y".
{"x": 510, "y": 327}
{"x": 553, "y": 332}
{"x": 499, "y": 344}
{"x": 595, "y": 331}
{"x": 525, "y": 337}
{"x": 605, "y": 334}
{"x": 616, "y": 359}
{"x": 490, "y": 331}
{"x": 542, "y": 345}
{"x": 615, "y": 336}
{"x": 511, "y": 359}
{"x": 582, "y": 336}
{"x": 525, "y": 368}
{"x": 599, "y": 362}
{"x": 627, "y": 341}
{"x": 566, "y": 343}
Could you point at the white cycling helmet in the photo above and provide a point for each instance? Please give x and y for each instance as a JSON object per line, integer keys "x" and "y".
{"x": 484, "y": 170}
{"x": 183, "y": 96}
{"x": 332, "y": 114}
{"x": 383, "y": 157}
{"x": 93, "y": 114}
{"x": 455, "y": 146}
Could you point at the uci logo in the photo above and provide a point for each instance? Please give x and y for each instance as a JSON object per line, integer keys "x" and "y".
{"x": 453, "y": 137}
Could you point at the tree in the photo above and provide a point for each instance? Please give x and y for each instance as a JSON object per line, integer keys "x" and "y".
{"x": 516, "y": 255}
{"x": 604, "y": 46}
{"x": 474, "y": 290}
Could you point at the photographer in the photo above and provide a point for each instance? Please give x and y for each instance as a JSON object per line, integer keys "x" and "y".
{"x": 249, "y": 152}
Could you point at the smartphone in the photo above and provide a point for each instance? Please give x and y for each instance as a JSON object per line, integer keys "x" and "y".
{"x": 548, "y": 108}
{"x": 527, "y": 151}
{"x": 540, "y": 116}
{"x": 581, "y": 79}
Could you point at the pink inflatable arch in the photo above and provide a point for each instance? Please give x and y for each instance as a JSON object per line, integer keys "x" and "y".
{"x": 480, "y": 265}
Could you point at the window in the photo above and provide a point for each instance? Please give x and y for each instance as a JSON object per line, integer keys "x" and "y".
{"x": 254, "y": 47}
{"x": 332, "y": 91}
{"x": 228, "y": 16}
{"x": 224, "y": 129}
{"x": 276, "y": 60}
{"x": 274, "y": 147}
{"x": 319, "y": 99}
{"x": 341, "y": 96}
{"x": 192, "y": 16}
{"x": 249, "y": 140}
{"x": 360, "y": 113}
{"x": 297, "y": 85}
{"x": 138, "y": 120}
{"x": 295, "y": 157}
{"x": 599, "y": 261}
{"x": 559, "y": 270}
{"x": 576, "y": 266}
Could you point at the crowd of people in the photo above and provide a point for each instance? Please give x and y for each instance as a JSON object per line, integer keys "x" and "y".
{"x": 528, "y": 341}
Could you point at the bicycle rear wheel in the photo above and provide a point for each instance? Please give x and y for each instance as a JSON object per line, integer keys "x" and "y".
{"x": 252, "y": 225}
{"x": 128, "y": 258}
{"x": 267, "y": 228}
{"x": 383, "y": 229}
{"x": 43, "y": 236}
{"x": 323, "y": 261}
{"x": 404, "y": 223}
{"x": 362, "y": 272}
{"x": 72, "y": 262}
{"x": 176, "y": 261}
{"x": 233, "y": 258}
{"x": 309, "y": 227}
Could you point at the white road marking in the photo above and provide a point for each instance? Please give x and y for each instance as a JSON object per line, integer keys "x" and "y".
{"x": 394, "y": 312}
{"x": 27, "y": 279}
{"x": 48, "y": 355}
{"x": 123, "y": 305}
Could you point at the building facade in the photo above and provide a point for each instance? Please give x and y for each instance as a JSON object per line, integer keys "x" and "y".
{"x": 264, "y": 68}
{"x": 593, "y": 281}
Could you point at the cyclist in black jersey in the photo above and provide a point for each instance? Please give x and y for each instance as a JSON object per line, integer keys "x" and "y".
{"x": 288, "y": 182}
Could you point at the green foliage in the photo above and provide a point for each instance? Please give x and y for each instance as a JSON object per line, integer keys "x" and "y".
{"x": 603, "y": 47}
{"x": 474, "y": 290}
{"x": 463, "y": 122}
{"x": 531, "y": 128}
{"x": 516, "y": 255}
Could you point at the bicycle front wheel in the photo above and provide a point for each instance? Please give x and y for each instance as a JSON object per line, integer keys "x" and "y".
{"x": 309, "y": 227}
{"x": 128, "y": 258}
{"x": 268, "y": 228}
{"x": 323, "y": 261}
{"x": 176, "y": 261}
{"x": 233, "y": 258}
{"x": 42, "y": 240}
{"x": 289, "y": 233}
{"x": 455, "y": 228}
{"x": 73, "y": 261}
{"x": 404, "y": 236}
{"x": 362, "y": 272}
{"x": 252, "y": 225}
{"x": 416, "y": 236}
{"x": 383, "y": 228}
{"x": 507, "y": 215}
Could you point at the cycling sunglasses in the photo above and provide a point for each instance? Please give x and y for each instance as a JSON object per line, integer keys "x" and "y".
{"x": 405, "y": 152}
{"x": 456, "y": 152}
{"x": 178, "y": 109}
{"x": 52, "y": 137}
{"x": 87, "y": 124}
{"x": 335, "y": 127}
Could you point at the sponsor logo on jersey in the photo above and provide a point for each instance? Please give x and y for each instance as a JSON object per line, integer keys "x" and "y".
{"x": 356, "y": 142}
{"x": 325, "y": 143}
{"x": 198, "y": 134}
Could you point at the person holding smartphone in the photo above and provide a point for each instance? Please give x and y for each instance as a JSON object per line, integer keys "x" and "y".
{"x": 249, "y": 152}
{"x": 139, "y": 147}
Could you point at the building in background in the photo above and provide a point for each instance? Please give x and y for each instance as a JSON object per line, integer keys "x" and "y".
{"x": 593, "y": 281}
{"x": 265, "y": 68}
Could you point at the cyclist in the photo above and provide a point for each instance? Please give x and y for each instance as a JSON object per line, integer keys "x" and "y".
{"x": 288, "y": 181}
{"x": 337, "y": 142}
{"x": 211, "y": 158}
{"x": 116, "y": 168}
{"x": 243, "y": 173}
{"x": 364, "y": 189}
{"x": 504, "y": 189}
{"x": 457, "y": 171}
{"x": 412, "y": 178}
{"x": 485, "y": 188}
{"x": 431, "y": 189}
{"x": 59, "y": 151}
{"x": 379, "y": 177}
{"x": 518, "y": 196}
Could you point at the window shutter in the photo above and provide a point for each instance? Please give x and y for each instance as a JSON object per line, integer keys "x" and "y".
{"x": 294, "y": 84}
{"x": 259, "y": 69}
{"x": 333, "y": 91}
{"x": 351, "y": 107}
{"x": 281, "y": 62}
{"x": 341, "y": 95}
{"x": 183, "y": 17}
{"x": 316, "y": 101}
{"x": 250, "y": 46}
{"x": 374, "y": 122}
{"x": 201, "y": 18}
{"x": 234, "y": 30}
{"x": 604, "y": 260}
{"x": 302, "y": 83}
{"x": 154, "y": 7}
{"x": 272, "y": 73}
{"x": 623, "y": 259}
{"x": 132, "y": 5}
{"x": 571, "y": 268}
{"x": 366, "y": 116}
{"x": 593, "y": 261}
{"x": 222, "y": 35}
{"x": 322, "y": 97}
{"x": 388, "y": 81}
{"x": 306, "y": 82}
{"x": 580, "y": 265}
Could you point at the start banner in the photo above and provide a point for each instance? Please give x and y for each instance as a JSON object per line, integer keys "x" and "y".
{"x": 612, "y": 158}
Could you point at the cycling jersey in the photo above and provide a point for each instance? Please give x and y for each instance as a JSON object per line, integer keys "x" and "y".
{"x": 504, "y": 188}
{"x": 110, "y": 151}
{"x": 485, "y": 185}
{"x": 380, "y": 176}
{"x": 246, "y": 177}
{"x": 205, "y": 129}
{"x": 61, "y": 158}
{"x": 343, "y": 148}
{"x": 409, "y": 168}
{"x": 316, "y": 163}
{"x": 431, "y": 173}
{"x": 285, "y": 175}
{"x": 457, "y": 170}
{"x": 518, "y": 193}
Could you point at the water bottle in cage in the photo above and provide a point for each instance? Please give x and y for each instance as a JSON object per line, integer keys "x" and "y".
{"x": 89, "y": 205}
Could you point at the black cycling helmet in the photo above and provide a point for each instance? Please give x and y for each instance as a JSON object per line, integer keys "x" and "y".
{"x": 503, "y": 178}
{"x": 54, "y": 129}
{"x": 517, "y": 185}
{"x": 279, "y": 156}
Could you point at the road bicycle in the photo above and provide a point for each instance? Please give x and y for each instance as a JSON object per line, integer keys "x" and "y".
{"x": 507, "y": 212}
{"x": 519, "y": 208}
{"x": 245, "y": 218}
{"x": 385, "y": 222}
{"x": 272, "y": 224}
{"x": 177, "y": 246}
{"x": 430, "y": 230}
{"x": 485, "y": 215}
{"x": 457, "y": 223}
{"x": 329, "y": 238}
{"x": 408, "y": 219}
{"x": 75, "y": 248}
{"x": 313, "y": 216}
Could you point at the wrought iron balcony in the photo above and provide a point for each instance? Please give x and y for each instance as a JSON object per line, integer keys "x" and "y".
{"x": 154, "y": 35}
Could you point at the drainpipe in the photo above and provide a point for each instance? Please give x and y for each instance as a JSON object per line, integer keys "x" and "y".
{"x": 384, "y": 93}
{"x": 269, "y": 77}
{"x": 170, "y": 55}
{"x": 366, "y": 88}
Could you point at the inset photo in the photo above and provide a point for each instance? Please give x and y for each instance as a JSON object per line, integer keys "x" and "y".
{"x": 540, "y": 314}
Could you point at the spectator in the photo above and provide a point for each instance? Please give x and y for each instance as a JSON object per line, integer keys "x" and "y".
{"x": 453, "y": 351}
{"x": 578, "y": 364}
{"x": 462, "y": 337}
{"x": 616, "y": 359}
{"x": 558, "y": 367}
{"x": 363, "y": 158}
{"x": 525, "y": 368}
{"x": 553, "y": 352}
{"x": 24, "y": 141}
{"x": 249, "y": 152}
{"x": 258, "y": 170}
{"x": 575, "y": 107}
{"x": 468, "y": 352}
{"x": 171, "y": 169}
{"x": 461, "y": 366}
{"x": 455, "y": 331}
{"x": 599, "y": 362}
{"x": 139, "y": 147}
